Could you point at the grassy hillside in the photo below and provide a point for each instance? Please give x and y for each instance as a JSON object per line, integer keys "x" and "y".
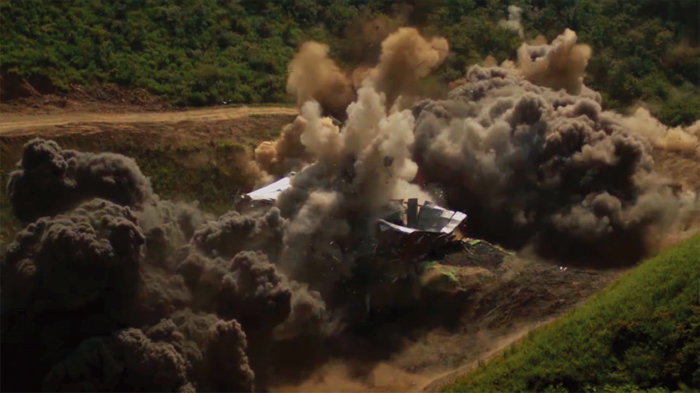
{"x": 196, "y": 52}
{"x": 642, "y": 332}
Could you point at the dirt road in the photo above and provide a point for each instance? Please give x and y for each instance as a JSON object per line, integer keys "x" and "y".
{"x": 440, "y": 382}
{"x": 23, "y": 122}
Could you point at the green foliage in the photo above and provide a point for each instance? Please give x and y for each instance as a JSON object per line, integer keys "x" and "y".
{"x": 682, "y": 106}
{"x": 640, "y": 334}
{"x": 197, "y": 52}
{"x": 643, "y": 49}
{"x": 227, "y": 146}
{"x": 193, "y": 52}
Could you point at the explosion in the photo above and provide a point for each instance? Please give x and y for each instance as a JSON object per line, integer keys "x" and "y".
{"x": 560, "y": 65}
{"x": 127, "y": 294}
{"x": 536, "y": 166}
{"x": 110, "y": 287}
{"x": 312, "y": 75}
{"x": 406, "y": 57}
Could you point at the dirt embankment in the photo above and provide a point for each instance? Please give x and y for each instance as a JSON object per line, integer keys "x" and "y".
{"x": 36, "y": 95}
{"x": 16, "y": 124}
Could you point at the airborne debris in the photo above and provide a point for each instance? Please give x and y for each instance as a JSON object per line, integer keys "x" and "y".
{"x": 266, "y": 195}
{"x": 410, "y": 239}
{"x": 407, "y": 234}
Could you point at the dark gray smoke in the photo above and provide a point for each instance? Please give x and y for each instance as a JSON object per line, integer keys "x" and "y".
{"x": 168, "y": 226}
{"x": 71, "y": 177}
{"x": 64, "y": 279}
{"x": 70, "y": 261}
{"x": 234, "y": 232}
{"x": 247, "y": 287}
{"x": 147, "y": 295}
{"x": 184, "y": 353}
{"x": 530, "y": 164}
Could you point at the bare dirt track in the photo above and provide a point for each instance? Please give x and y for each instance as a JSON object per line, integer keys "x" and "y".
{"x": 498, "y": 345}
{"x": 14, "y": 124}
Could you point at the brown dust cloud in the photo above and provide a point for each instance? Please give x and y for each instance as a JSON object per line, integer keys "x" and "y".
{"x": 110, "y": 287}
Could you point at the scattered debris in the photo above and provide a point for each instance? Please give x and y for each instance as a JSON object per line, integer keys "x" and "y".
{"x": 413, "y": 234}
{"x": 406, "y": 235}
{"x": 265, "y": 196}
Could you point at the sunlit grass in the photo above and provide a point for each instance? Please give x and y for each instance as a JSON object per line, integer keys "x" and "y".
{"x": 642, "y": 332}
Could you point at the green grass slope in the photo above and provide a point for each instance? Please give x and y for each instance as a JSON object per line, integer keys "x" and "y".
{"x": 643, "y": 332}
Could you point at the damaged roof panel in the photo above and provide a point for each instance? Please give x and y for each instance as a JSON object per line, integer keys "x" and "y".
{"x": 271, "y": 191}
{"x": 385, "y": 225}
{"x": 433, "y": 218}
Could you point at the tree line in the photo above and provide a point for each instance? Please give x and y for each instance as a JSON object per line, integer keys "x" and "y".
{"x": 199, "y": 52}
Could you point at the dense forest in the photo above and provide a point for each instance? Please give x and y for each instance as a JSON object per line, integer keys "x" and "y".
{"x": 200, "y": 52}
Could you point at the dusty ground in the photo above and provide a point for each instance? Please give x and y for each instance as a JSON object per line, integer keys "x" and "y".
{"x": 499, "y": 296}
{"x": 684, "y": 168}
{"x": 18, "y": 124}
{"x": 496, "y": 298}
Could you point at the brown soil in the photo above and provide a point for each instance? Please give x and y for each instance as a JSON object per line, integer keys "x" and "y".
{"x": 498, "y": 298}
{"x": 51, "y": 124}
{"x": 99, "y": 97}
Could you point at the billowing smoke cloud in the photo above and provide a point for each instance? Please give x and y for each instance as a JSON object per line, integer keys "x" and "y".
{"x": 406, "y": 57}
{"x": 286, "y": 153}
{"x": 234, "y": 232}
{"x": 559, "y": 65}
{"x": 227, "y": 269}
{"x": 184, "y": 353}
{"x": 684, "y": 139}
{"x": 531, "y": 164}
{"x": 313, "y": 75}
{"x": 71, "y": 177}
{"x": 70, "y": 261}
{"x": 525, "y": 150}
{"x": 334, "y": 202}
{"x": 513, "y": 21}
{"x": 152, "y": 295}
{"x": 247, "y": 287}
{"x": 357, "y": 171}
{"x": 64, "y": 279}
